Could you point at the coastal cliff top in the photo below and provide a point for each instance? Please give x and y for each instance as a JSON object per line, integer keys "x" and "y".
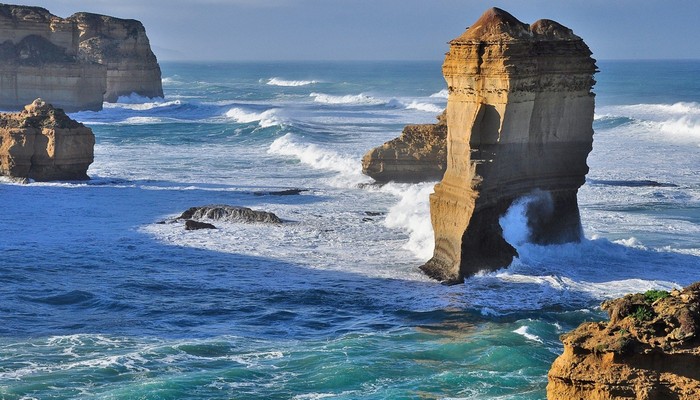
{"x": 39, "y": 114}
{"x": 655, "y": 321}
{"x": 25, "y": 13}
{"x": 499, "y": 25}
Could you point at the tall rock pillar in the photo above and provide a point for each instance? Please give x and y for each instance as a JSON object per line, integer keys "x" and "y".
{"x": 519, "y": 120}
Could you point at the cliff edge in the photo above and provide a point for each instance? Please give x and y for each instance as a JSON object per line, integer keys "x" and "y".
{"x": 43, "y": 143}
{"x": 74, "y": 63}
{"x": 649, "y": 350}
{"x": 519, "y": 119}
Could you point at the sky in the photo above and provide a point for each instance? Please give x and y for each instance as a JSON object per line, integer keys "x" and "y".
{"x": 242, "y": 30}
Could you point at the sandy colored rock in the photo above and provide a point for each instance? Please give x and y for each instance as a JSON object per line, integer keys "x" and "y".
{"x": 519, "y": 119}
{"x": 44, "y": 144}
{"x": 418, "y": 155}
{"x": 123, "y": 47}
{"x": 74, "y": 63}
{"x": 649, "y": 350}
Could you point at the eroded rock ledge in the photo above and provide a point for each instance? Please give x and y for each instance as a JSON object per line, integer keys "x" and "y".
{"x": 74, "y": 63}
{"x": 519, "y": 118}
{"x": 418, "y": 155}
{"x": 649, "y": 350}
{"x": 44, "y": 144}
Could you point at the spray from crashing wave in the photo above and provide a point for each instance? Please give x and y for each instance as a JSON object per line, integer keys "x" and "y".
{"x": 412, "y": 215}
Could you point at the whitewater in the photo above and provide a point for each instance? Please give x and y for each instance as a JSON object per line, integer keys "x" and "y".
{"x": 104, "y": 298}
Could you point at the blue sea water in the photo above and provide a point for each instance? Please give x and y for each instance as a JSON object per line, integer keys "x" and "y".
{"x": 98, "y": 300}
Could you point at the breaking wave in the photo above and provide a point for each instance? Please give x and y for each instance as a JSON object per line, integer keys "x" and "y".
{"x": 443, "y": 94}
{"x": 288, "y": 83}
{"x": 412, "y": 214}
{"x": 346, "y": 99}
{"x": 265, "y": 119}
{"x": 427, "y": 107}
{"x": 348, "y": 169}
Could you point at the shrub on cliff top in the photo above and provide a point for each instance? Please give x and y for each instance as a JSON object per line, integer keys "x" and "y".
{"x": 650, "y": 296}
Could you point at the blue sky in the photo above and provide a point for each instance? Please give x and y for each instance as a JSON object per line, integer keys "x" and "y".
{"x": 387, "y": 29}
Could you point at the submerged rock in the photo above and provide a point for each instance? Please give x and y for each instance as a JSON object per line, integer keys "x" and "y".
{"x": 229, "y": 214}
{"x": 519, "y": 118}
{"x": 418, "y": 155}
{"x": 649, "y": 350}
{"x": 44, "y": 144}
{"x": 74, "y": 63}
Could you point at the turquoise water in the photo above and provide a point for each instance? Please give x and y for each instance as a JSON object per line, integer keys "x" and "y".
{"x": 101, "y": 301}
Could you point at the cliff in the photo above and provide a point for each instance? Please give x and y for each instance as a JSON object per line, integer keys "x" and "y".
{"x": 519, "y": 119}
{"x": 418, "y": 155}
{"x": 123, "y": 47}
{"x": 649, "y": 350}
{"x": 44, "y": 144}
{"x": 74, "y": 63}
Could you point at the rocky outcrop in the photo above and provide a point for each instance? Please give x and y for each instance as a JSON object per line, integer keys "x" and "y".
{"x": 519, "y": 118}
{"x": 74, "y": 63}
{"x": 649, "y": 350}
{"x": 43, "y": 144}
{"x": 229, "y": 214}
{"x": 418, "y": 155}
{"x": 123, "y": 47}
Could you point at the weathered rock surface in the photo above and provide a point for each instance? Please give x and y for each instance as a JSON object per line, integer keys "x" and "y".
{"x": 229, "y": 214}
{"x": 44, "y": 144}
{"x": 123, "y": 47}
{"x": 519, "y": 118}
{"x": 72, "y": 63}
{"x": 418, "y": 155}
{"x": 192, "y": 225}
{"x": 649, "y": 350}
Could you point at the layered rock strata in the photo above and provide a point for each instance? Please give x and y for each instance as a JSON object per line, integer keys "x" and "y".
{"x": 43, "y": 144}
{"x": 519, "y": 118}
{"x": 74, "y": 63}
{"x": 123, "y": 47}
{"x": 649, "y": 350}
{"x": 418, "y": 155}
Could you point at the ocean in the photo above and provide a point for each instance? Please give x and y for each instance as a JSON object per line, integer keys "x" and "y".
{"x": 100, "y": 300}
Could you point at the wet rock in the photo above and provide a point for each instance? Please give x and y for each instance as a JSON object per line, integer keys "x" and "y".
{"x": 230, "y": 214}
{"x": 192, "y": 225}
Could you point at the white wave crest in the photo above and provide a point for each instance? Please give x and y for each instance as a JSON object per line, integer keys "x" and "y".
{"x": 265, "y": 119}
{"x": 427, "y": 107}
{"x": 412, "y": 214}
{"x": 288, "y": 83}
{"x": 678, "y": 121}
{"x": 142, "y": 120}
{"x": 529, "y": 336}
{"x": 348, "y": 169}
{"x": 347, "y": 99}
{"x": 443, "y": 94}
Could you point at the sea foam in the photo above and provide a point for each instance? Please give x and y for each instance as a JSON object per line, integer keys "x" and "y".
{"x": 412, "y": 214}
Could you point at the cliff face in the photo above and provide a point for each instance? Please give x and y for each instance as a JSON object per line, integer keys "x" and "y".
{"x": 123, "y": 47}
{"x": 419, "y": 154}
{"x": 75, "y": 63}
{"x": 519, "y": 118}
{"x": 43, "y": 144}
{"x": 38, "y": 58}
{"x": 649, "y": 350}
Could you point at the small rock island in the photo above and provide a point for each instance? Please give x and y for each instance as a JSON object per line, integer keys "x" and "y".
{"x": 74, "y": 63}
{"x": 519, "y": 118}
{"x": 42, "y": 143}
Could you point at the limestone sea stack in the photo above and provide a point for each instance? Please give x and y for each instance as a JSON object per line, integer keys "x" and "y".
{"x": 123, "y": 47}
{"x": 519, "y": 119}
{"x": 44, "y": 144}
{"x": 649, "y": 350}
{"x": 418, "y": 155}
{"x": 74, "y": 63}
